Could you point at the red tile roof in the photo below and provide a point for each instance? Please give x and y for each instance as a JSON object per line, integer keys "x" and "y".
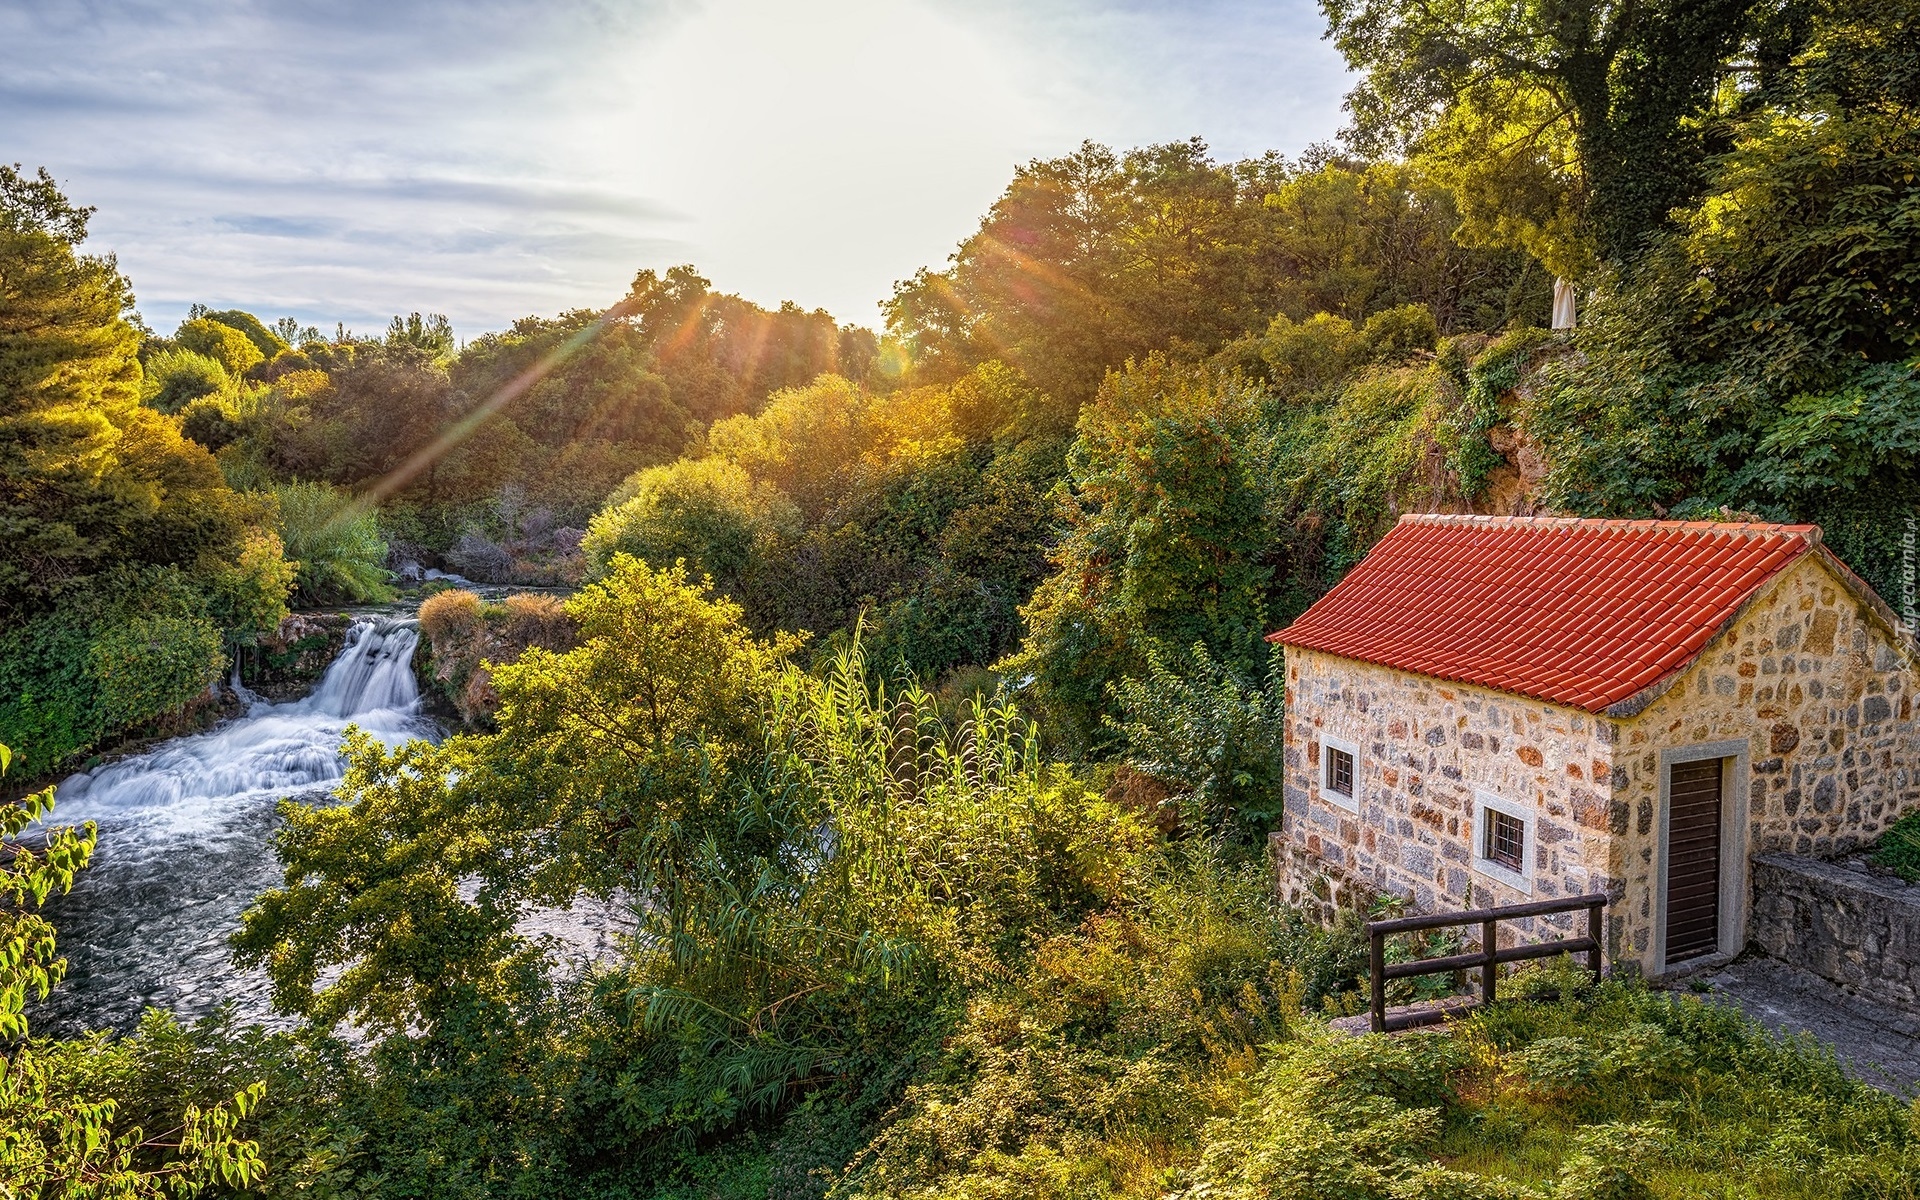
{"x": 1582, "y": 613}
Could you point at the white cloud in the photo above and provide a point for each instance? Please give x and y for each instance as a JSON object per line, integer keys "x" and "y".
{"x": 348, "y": 162}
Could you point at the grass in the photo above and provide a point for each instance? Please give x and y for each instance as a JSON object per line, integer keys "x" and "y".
{"x": 1899, "y": 849}
{"x": 1672, "y": 1095}
{"x": 1613, "y": 1092}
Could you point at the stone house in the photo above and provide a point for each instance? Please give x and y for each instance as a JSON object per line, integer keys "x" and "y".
{"x": 1490, "y": 710}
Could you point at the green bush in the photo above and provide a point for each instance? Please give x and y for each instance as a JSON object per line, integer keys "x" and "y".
{"x": 208, "y": 421}
{"x": 139, "y": 645}
{"x": 336, "y": 543}
{"x": 1211, "y": 733}
{"x": 707, "y": 512}
{"x": 147, "y": 665}
{"x": 176, "y": 378}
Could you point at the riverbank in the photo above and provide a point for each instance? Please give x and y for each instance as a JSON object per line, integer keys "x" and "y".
{"x": 186, "y": 835}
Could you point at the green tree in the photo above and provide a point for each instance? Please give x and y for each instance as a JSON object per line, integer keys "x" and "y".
{"x": 266, "y": 341}
{"x": 232, "y": 349}
{"x": 723, "y": 355}
{"x": 369, "y": 416}
{"x": 626, "y": 737}
{"x": 431, "y": 335}
{"x": 1762, "y": 354}
{"x": 60, "y": 1132}
{"x": 89, "y": 477}
{"x": 1164, "y": 541}
{"x": 176, "y": 378}
{"x": 1631, "y": 88}
{"x": 1095, "y": 258}
{"x": 598, "y": 410}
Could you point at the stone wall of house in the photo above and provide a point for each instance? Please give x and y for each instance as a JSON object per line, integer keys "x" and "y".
{"x": 1860, "y": 931}
{"x": 1816, "y": 688}
{"x": 1425, "y": 747}
{"x": 1821, "y": 695}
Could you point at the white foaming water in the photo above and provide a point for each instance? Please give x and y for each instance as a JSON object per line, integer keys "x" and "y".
{"x": 192, "y": 784}
{"x": 186, "y": 839}
{"x": 186, "y": 843}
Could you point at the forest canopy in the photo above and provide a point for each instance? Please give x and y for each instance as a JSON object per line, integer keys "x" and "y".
{"x": 907, "y": 689}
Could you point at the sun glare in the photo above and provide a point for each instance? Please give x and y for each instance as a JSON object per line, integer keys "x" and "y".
{"x": 786, "y": 126}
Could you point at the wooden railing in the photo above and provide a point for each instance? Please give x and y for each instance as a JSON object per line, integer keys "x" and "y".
{"x": 1488, "y": 957}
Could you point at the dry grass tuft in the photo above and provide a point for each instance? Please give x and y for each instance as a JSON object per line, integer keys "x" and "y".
{"x": 451, "y": 617}
{"x": 536, "y": 620}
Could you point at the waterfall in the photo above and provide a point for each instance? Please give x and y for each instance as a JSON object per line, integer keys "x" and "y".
{"x": 186, "y": 839}
{"x": 275, "y": 749}
{"x": 186, "y": 843}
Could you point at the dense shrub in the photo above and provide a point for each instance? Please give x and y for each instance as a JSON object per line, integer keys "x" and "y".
{"x": 336, "y": 543}
{"x": 225, "y": 345}
{"x": 209, "y": 421}
{"x": 140, "y": 646}
{"x": 1163, "y": 547}
{"x": 147, "y": 665}
{"x": 706, "y": 512}
{"x": 176, "y": 378}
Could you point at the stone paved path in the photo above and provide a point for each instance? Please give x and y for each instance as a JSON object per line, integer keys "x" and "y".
{"x": 1875, "y": 1044}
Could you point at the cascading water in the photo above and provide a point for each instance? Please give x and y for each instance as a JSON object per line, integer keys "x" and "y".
{"x": 185, "y": 838}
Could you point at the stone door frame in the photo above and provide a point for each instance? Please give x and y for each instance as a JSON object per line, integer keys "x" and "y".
{"x": 1735, "y": 865}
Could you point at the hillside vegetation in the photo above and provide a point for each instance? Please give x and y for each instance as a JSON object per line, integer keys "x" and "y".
{"x": 912, "y": 692}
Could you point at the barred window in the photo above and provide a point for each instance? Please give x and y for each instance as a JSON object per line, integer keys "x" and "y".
{"x": 1500, "y": 850}
{"x": 1506, "y": 840}
{"x": 1339, "y": 772}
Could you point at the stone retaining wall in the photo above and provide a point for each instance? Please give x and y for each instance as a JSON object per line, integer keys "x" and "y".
{"x": 1305, "y": 881}
{"x": 1859, "y": 930}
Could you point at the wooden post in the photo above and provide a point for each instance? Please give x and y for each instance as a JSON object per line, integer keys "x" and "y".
{"x": 1377, "y": 964}
{"x": 1489, "y": 969}
{"x": 1593, "y": 933}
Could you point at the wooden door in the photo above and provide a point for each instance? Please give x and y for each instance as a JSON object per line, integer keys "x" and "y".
{"x": 1693, "y": 859}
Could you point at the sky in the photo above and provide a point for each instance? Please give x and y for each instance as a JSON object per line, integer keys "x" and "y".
{"x": 487, "y": 159}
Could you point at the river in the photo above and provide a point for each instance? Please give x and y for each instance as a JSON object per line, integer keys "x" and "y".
{"x": 186, "y": 835}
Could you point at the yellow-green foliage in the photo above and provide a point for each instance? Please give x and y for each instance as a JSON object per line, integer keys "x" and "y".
{"x": 800, "y": 440}
{"x": 1613, "y": 1093}
{"x": 1373, "y": 453}
{"x": 178, "y": 378}
{"x": 335, "y": 543}
{"x": 1163, "y": 542}
{"x": 1095, "y": 1066}
{"x": 708, "y": 512}
{"x": 264, "y": 340}
{"x": 224, "y": 344}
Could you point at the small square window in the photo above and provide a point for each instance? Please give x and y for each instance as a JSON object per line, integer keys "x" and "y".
{"x": 1500, "y": 849}
{"x": 1340, "y": 773}
{"x": 1506, "y": 840}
